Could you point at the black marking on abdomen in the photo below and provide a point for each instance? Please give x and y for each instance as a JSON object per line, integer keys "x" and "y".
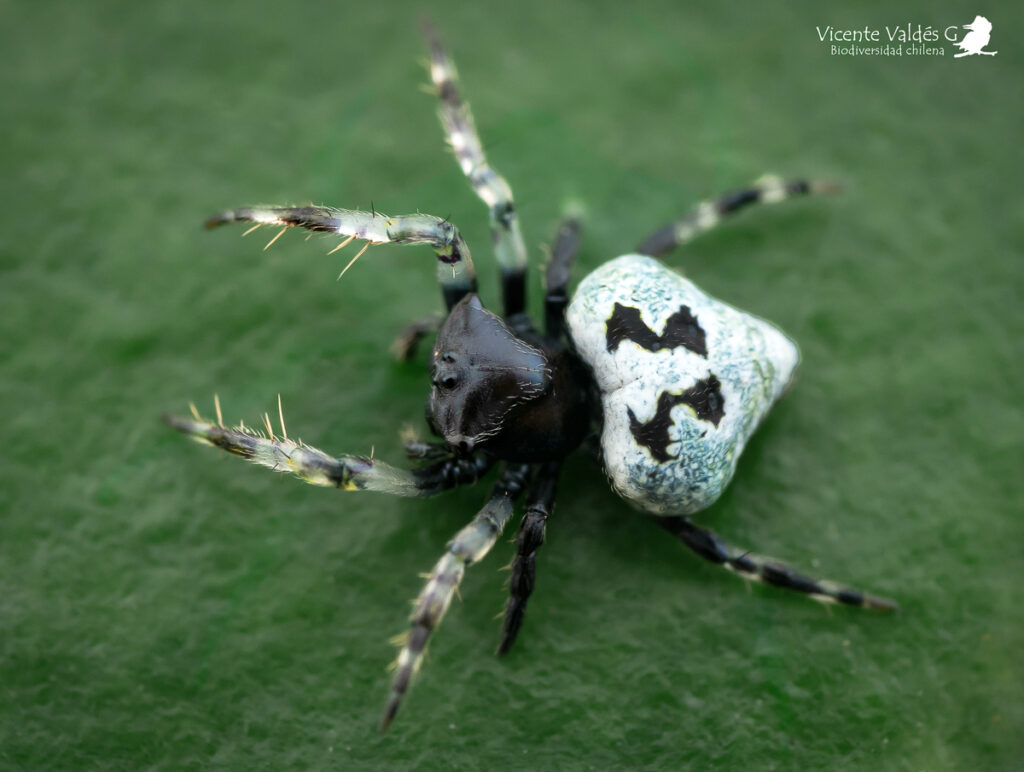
{"x": 705, "y": 397}
{"x": 681, "y": 329}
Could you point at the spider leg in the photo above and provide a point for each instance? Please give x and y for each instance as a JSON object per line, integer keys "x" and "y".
{"x": 455, "y": 271}
{"x": 705, "y": 216}
{"x": 349, "y": 473}
{"x": 468, "y": 546}
{"x": 491, "y": 187}
{"x": 405, "y": 345}
{"x": 539, "y": 504}
{"x": 761, "y": 569}
{"x": 556, "y": 297}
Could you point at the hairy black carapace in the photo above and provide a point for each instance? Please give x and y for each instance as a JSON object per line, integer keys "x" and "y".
{"x": 523, "y": 396}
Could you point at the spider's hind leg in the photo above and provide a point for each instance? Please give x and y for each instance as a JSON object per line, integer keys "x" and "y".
{"x": 524, "y": 566}
{"x": 761, "y": 569}
{"x": 705, "y": 216}
{"x": 468, "y": 546}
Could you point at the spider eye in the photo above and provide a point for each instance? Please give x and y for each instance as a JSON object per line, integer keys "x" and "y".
{"x": 449, "y": 382}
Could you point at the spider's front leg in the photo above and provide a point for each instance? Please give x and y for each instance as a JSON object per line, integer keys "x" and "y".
{"x": 455, "y": 271}
{"x": 349, "y": 473}
{"x": 468, "y": 546}
{"x": 488, "y": 184}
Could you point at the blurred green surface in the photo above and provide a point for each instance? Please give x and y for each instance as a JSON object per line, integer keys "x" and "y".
{"x": 164, "y": 607}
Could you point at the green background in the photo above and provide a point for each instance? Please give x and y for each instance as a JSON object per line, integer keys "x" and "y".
{"x": 163, "y": 606}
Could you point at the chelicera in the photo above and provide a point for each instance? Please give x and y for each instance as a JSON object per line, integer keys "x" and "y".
{"x": 660, "y": 382}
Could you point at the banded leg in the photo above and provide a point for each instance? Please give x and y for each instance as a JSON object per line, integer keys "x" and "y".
{"x": 767, "y": 190}
{"x": 468, "y": 546}
{"x": 524, "y": 565}
{"x": 491, "y": 187}
{"x": 556, "y": 297}
{"x": 349, "y": 473}
{"x": 455, "y": 271}
{"x": 761, "y": 569}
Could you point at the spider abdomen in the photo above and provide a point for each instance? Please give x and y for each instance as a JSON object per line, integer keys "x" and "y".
{"x": 685, "y": 379}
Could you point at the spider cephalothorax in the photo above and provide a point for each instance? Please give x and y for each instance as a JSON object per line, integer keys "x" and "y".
{"x": 668, "y": 382}
{"x": 498, "y": 392}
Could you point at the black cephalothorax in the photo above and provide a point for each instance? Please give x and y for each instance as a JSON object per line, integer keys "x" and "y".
{"x": 504, "y": 393}
{"x": 521, "y": 397}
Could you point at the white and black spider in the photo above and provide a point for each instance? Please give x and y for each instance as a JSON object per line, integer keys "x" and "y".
{"x": 673, "y": 382}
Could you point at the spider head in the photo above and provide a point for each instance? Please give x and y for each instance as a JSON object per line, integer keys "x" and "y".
{"x": 480, "y": 372}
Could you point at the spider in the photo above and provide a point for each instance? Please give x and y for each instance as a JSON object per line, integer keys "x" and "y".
{"x": 659, "y": 381}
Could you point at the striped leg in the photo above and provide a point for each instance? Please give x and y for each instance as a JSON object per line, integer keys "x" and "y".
{"x": 761, "y": 569}
{"x": 490, "y": 186}
{"x": 349, "y": 473}
{"x": 468, "y": 546}
{"x": 455, "y": 270}
{"x": 524, "y": 565}
{"x": 767, "y": 190}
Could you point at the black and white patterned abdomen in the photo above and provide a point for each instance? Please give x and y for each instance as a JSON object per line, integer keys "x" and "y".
{"x": 684, "y": 379}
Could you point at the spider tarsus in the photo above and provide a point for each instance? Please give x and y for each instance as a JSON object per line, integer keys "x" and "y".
{"x": 878, "y": 603}
{"x": 390, "y": 712}
{"x": 221, "y": 218}
{"x": 176, "y": 423}
{"x": 511, "y": 631}
{"x": 824, "y": 187}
